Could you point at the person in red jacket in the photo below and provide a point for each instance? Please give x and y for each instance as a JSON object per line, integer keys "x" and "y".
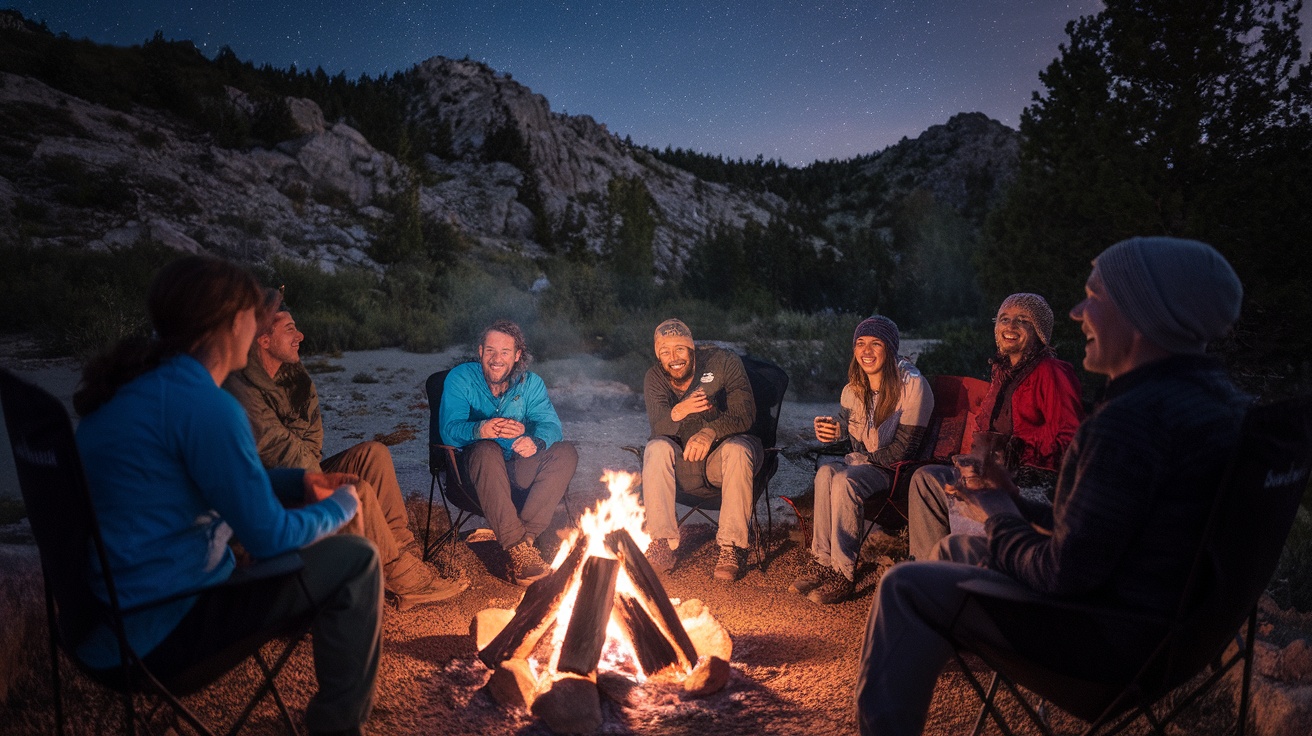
{"x": 1033, "y": 403}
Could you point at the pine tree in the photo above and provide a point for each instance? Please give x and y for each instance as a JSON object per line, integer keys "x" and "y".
{"x": 1189, "y": 118}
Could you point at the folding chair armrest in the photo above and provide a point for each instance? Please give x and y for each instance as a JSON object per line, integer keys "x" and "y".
{"x": 637, "y": 451}
{"x": 283, "y": 565}
{"x": 829, "y": 449}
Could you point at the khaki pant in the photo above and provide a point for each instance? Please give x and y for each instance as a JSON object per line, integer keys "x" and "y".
{"x": 383, "y": 518}
{"x": 729, "y": 467}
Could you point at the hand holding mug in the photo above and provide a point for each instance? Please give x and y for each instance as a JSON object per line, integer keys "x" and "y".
{"x": 826, "y": 429}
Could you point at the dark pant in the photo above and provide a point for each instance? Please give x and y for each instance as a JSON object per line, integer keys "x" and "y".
{"x": 343, "y": 577}
{"x": 520, "y": 495}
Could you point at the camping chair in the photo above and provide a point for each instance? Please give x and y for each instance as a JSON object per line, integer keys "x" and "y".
{"x": 956, "y": 402}
{"x": 63, "y": 520}
{"x": 1059, "y": 650}
{"x": 448, "y": 478}
{"x": 769, "y": 383}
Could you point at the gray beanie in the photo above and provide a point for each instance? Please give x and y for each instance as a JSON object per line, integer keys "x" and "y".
{"x": 1180, "y": 294}
{"x": 1038, "y": 310}
{"x": 882, "y": 328}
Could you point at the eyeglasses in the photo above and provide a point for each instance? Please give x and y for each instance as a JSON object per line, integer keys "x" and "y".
{"x": 1018, "y": 322}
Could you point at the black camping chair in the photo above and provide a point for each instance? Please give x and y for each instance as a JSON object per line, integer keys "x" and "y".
{"x": 1246, "y": 530}
{"x": 769, "y": 384}
{"x": 448, "y": 478}
{"x": 63, "y": 520}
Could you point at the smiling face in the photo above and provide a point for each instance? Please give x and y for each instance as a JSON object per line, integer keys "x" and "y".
{"x": 283, "y": 341}
{"x": 1110, "y": 341}
{"x": 676, "y": 356}
{"x": 870, "y": 354}
{"x": 1014, "y": 332}
{"x": 498, "y": 356}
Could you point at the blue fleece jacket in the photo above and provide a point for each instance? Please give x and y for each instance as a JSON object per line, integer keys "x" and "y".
{"x": 467, "y": 402}
{"x": 174, "y": 473}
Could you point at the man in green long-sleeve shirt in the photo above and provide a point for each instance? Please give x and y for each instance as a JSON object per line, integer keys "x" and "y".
{"x": 700, "y": 406}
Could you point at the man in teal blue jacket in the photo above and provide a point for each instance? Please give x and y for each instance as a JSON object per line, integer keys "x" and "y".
{"x": 514, "y": 454}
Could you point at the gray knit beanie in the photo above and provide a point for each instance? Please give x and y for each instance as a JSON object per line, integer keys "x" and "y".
{"x": 1038, "y": 310}
{"x": 879, "y": 327}
{"x": 1180, "y": 294}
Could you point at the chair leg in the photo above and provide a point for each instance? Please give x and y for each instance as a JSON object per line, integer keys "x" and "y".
{"x": 52, "y": 630}
{"x": 1249, "y": 637}
{"x": 983, "y": 709}
{"x": 428, "y": 520}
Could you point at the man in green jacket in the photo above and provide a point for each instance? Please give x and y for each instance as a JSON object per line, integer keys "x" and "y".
{"x": 283, "y": 405}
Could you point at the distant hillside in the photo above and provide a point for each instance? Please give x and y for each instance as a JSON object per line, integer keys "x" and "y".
{"x": 104, "y": 147}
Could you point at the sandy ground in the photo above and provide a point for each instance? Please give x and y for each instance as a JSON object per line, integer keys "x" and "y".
{"x": 795, "y": 661}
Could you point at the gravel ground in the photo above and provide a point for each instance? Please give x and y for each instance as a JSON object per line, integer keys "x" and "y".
{"x": 795, "y": 661}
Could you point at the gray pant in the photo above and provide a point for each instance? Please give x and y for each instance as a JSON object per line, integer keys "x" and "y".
{"x": 840, "y": 494}
{"x": 730, "y": 467}
{"x": 344, "y": 580}
{"x": 519, "y": 496}
{"x": 904, "y": 652}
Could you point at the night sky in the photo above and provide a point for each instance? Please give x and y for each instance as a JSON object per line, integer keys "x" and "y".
{"x": 796, "y": 81}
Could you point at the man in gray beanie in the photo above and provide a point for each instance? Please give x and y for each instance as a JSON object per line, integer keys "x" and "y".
{"x": 1132, "y": 495}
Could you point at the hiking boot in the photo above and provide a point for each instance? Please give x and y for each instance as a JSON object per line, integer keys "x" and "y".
{"x": 813, "y": 573}
{"x": 412, "y": 583}
{"x": 834, "y": 588}
{"x": 660, "y": 556}
{"x": 526, "y": 564}
{"x": 731, "y": 563}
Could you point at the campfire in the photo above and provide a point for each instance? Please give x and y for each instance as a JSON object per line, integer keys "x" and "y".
{"x": 601, "y": 610}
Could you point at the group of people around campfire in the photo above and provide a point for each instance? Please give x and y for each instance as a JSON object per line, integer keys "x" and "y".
{"x": 210, "y": 431}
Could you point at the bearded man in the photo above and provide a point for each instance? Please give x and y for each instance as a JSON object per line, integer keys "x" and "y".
{"x": 1033, "y": 402}
{"x": 513, "y": 449}
{"x": 699, "y": 406}
{"x": 283, "y": 407}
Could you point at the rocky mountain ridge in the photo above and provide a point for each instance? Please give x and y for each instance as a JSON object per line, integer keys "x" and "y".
{"x": 77, "y": 173}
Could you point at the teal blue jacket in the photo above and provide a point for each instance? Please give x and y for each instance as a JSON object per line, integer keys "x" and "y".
{"x": 467, "y": 402}
{"x": 174, "y": 474}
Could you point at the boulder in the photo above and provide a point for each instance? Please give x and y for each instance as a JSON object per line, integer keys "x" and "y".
{"x": 570, "y": 704}
{"x": 307, "y": 118}
{"x": 487, "y": 623}
{"x": 709, "y": 675}
{"x": 513, "y": 684}
{"x": 708, "y": 636}
{"x": 168, "y": 235}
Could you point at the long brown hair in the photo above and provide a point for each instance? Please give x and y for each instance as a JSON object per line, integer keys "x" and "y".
{"x": 890, "y": 387}
{"x": 190, "y": 300}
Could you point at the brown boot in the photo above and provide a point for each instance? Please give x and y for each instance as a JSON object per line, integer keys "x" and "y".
{"x": 413, "y": 583}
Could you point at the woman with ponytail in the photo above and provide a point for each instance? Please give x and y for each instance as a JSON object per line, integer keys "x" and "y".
{"x": 174, "y": 474}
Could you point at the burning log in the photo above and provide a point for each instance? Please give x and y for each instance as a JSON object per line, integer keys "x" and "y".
{"x": 586, "y": 635}
{"x": 536, "y": 612}
{"x": 654, "y": 650}
{"x": 652, "y": 594}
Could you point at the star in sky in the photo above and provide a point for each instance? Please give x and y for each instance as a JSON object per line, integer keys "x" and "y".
{"x": 794, "y": 80}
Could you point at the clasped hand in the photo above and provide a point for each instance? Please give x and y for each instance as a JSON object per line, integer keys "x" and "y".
{"x": 319, "y": 486}
{"x": 505, "y": 429}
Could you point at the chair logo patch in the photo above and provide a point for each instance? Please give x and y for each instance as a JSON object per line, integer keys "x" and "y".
{"x": 1293, "y": 476}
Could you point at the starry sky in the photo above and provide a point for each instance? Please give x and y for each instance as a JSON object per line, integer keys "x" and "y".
{"x": 785, "y": 79}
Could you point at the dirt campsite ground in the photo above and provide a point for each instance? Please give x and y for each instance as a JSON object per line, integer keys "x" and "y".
{"x": 795, "y": 662}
